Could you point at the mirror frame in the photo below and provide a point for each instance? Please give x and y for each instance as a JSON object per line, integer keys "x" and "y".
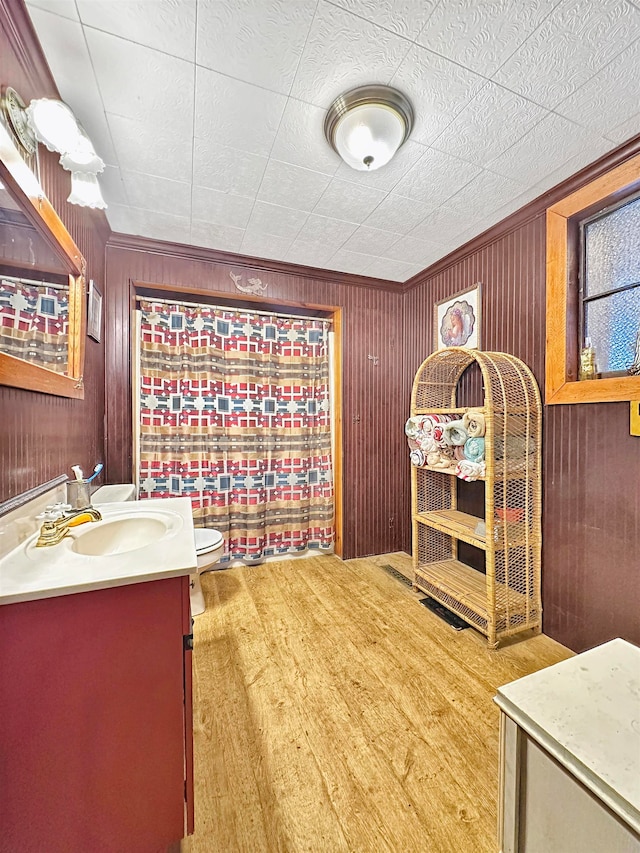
{"x": 26, "y": 191}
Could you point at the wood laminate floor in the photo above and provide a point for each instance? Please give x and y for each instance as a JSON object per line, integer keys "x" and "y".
{"x": 333, "y": 712}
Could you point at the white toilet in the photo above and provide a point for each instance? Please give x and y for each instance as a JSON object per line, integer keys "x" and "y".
{"x": 209, "y": 543}
{"x": 209, "y": 549}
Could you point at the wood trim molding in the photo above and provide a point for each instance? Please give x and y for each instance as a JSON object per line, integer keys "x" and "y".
{"x": 19, "y": 31}
{"x": 562, "y": 384}
{"x": 227, "y": 297}
{"x": 23, "y": 498}
{"x": 530, "y": 211}
{"x": 214, "y": 256}
{"x": 21, "y": 374}
{"x": 338, "y": 480}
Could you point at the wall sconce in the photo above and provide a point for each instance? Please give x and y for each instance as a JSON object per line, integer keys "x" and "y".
{"x": 367, "y": 125}
{"x": 55, "y": 125}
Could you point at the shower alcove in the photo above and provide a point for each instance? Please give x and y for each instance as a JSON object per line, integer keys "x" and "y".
{"x": 505, "y": 599}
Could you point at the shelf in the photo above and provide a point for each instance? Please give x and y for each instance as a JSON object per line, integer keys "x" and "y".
{"x": 463, "y": 589}
{"x": 511, "y": 407}
{"x": 462, "y": 526}
{"x": 458, "y": 524}
{"x": 430, "y": 410}
{"x": 450, "y": 471}
{"x": 457, "y": 586}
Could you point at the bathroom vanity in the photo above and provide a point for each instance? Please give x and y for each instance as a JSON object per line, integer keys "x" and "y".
{"x": 570, "y": 755}
{"x": 96, "y": 703}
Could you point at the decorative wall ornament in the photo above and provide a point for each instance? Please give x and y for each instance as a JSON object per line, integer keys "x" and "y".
{"x": 254, "y": 285}
{"x": 457, "y": 320}
{"x": 94, "y": 312}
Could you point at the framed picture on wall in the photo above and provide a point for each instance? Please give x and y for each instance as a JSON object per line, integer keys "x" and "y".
{"x": 456, "y": 320}
{"x": 94, "y": 312}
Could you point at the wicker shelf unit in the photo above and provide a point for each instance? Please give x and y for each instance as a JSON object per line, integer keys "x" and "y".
{"x": 506, "y": 600}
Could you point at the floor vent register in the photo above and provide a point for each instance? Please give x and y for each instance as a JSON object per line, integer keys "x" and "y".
{"x": 445, "y": 614}
{"x": 397, "y": 575}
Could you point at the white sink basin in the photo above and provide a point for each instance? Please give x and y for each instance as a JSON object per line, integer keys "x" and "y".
{"x": 118, "y": 536}
{"x": 135, "y": 541}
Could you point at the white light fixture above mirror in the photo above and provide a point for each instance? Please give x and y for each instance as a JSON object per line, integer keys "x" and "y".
{"x": 85, "y": 191}
{"x": 55, "y": 125}
{"x": 367, "y": 125}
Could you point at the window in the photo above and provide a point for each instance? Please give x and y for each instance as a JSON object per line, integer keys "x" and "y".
{"x": 610, "y": 287}
{"x": 593, "y": 288}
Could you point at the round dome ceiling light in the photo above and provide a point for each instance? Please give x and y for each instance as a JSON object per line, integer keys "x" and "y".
{"x": 367, "y": 125}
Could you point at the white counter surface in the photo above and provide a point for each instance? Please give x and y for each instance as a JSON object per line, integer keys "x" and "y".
{"x": 585, "y": 711}
{"x": 28, "y": 573}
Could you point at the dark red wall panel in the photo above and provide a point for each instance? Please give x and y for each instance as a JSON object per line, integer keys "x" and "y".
{"x": 42, "y": 435}
{"x": 591, "y": 585}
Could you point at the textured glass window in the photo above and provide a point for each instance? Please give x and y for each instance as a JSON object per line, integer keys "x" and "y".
{"x": 612, "y": 323}
{"x": 612, "y": 250}
{"x": 611, "y": 287}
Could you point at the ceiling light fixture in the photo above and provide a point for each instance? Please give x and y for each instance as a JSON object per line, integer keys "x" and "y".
{"x": 367, "y": 125}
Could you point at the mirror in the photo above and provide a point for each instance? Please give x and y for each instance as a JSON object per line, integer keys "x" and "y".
{"x": 42, "y": 289}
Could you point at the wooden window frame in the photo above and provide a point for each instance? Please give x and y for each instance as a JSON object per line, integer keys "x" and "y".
{"x": 562, "y": 385}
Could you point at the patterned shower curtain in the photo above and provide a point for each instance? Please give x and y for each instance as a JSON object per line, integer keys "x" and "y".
{"x": 234, "y": 413}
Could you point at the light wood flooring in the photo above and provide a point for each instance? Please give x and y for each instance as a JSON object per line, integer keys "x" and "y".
{"x": 333, "y": 712}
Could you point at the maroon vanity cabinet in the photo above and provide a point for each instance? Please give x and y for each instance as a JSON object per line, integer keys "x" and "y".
{"x": 96, "y": 720}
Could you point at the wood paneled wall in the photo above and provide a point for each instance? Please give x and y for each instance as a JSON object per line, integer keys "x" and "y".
{"x": 42, "y": 435}
{"x": 375, "y": 466}
{"x": 591, "y": 531}
{"x": 592, "y": 465}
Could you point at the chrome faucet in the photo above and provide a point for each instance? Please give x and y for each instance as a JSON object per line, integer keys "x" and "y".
{"x": 54, "y": 530}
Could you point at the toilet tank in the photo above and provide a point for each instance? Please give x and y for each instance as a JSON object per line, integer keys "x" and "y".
{"x": 115, "y": 493}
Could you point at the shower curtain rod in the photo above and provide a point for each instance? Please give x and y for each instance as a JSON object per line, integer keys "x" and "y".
{"x": 251, "y": 310}
{"x": 24, "y": 280}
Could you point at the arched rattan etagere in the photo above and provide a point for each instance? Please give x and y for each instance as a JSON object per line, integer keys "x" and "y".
{"x": 507, "y": 599}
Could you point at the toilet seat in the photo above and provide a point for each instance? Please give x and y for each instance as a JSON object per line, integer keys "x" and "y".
{"x": 207, "y": 540}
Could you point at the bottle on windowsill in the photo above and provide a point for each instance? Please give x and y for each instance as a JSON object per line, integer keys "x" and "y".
{"x": 587, "y": 361}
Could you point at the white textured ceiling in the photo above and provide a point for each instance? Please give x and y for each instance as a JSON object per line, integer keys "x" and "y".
{"x": 209, "y": 114}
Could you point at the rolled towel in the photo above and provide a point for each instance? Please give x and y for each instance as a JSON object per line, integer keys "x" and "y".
{"x": 412, "y": 427}
{"x": 417, "y": 458}
{"x": 454, "y": 433}
{"x": 474, "y": 423}
{"x": 468, "y": 470}
{"x": 458, "y": 453}
{"x": 474, "y": 449}
{"x": 433, "y": 458}
{"x": 413, "y": 445}
{"x": 425, "y": 442}
{"x": 442, "y": 457}
{"x": 432, "y": 425}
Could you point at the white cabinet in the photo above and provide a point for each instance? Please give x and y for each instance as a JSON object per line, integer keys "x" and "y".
{"x": 570, "y": 756}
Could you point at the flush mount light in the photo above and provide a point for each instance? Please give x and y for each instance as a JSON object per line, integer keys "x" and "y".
{"x": 367, "y": 125}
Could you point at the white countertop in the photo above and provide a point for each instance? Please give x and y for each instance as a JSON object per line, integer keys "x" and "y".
{"x": 585, "y": 711}
{"x": 28, "y": 573}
